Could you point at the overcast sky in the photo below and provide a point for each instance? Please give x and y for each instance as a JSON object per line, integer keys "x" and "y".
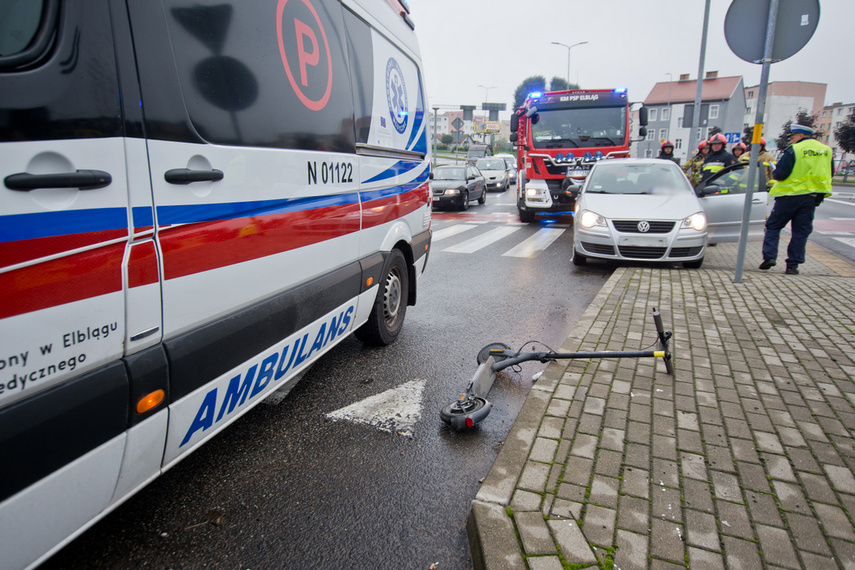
{"x": 631, "y": 43}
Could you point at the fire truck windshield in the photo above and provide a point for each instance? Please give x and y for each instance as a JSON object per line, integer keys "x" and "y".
{"x": 580, "y": 128}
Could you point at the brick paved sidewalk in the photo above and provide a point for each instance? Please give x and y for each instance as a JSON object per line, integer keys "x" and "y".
{"x": 743, "y": 459}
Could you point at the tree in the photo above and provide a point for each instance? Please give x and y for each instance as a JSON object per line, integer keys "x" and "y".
{"x": 447, "y": 139}
{"x": 845, "y": 134}
{"x": 560, "y": 84}
{"x": 802, "y": 118}
{"x": 531, "y": 84}
{"x": 748, "y": 135}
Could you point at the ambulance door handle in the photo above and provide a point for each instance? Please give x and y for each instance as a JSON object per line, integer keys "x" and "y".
{"x": 186, "y": 175}
{"x": 82, "y": 180}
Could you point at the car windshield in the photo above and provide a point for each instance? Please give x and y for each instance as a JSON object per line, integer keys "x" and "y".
{"x": 449, "y": 173}
{"x": 580, "y": 128}
{"x": 622, "y": 178}
{"x": 490, "y": 164}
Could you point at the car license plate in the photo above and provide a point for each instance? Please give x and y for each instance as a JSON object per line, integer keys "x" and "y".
{"x": 642, "y": 241}
{"x": 577, "y": 173}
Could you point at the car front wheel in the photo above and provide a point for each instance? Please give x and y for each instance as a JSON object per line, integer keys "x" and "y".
{"x": 578, "y": 258}
{"x": 483, "y": 197}
{"x": 694, "y": 264}
{"x": 464, "y": 200}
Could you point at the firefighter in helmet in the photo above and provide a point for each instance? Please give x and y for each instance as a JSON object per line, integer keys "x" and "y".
{"x": 738, "y": 151}
{"x": 692, "y": 168}
{"x": 718, "y": 157}
{"x": 666, "y": 151}
{"x": 766, "y": 159}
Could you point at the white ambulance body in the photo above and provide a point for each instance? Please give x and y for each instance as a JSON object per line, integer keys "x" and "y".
{"x": 198, "y": 199}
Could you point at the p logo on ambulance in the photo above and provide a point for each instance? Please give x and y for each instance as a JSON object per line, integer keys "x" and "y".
{"x": 305, "y": 37}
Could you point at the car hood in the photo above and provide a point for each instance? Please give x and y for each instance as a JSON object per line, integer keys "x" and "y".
{"x": 643, "y": 206}
{"x": 444, "y": 184}
{"x": 492, "y": 173}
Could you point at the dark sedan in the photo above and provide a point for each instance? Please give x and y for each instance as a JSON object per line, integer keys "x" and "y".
{"x": 457, "y": 186}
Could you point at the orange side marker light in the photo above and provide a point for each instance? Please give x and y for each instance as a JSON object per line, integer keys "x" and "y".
{"x": 150, "y": 401}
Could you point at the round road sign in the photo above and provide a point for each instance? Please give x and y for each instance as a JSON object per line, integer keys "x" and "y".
{"x": 746, "y": 22}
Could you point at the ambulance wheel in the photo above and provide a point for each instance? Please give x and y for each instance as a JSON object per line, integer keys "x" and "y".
{"x": 390, "y": 306}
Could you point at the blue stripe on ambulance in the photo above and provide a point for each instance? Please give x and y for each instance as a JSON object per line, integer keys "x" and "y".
{"x": 50, "y": 224}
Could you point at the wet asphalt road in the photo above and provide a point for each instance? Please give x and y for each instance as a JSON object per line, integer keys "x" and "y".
{"x": 285, "y": 487}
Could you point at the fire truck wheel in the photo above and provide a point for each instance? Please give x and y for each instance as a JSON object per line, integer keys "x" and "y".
{"x": 390, "y": 306}
{"x": 526, "y": 216}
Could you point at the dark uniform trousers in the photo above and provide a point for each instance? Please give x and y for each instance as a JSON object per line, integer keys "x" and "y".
{"x": 800, "y": 210}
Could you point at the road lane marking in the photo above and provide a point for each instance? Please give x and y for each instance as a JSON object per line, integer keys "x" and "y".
{"x": 393, "y": 411}
{"x": 474, "y": 244}
{"x": 535, "y": 244}
{"x": 439, "y": 235}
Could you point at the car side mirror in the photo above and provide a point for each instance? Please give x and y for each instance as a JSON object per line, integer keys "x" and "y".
{"x": 430, "y": 176}
{"x": 513, "y": 137}
{"x": 711, "y": 189}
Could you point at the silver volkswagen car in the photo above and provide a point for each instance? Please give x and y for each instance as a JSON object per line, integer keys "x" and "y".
{"x": 639, "y": 209}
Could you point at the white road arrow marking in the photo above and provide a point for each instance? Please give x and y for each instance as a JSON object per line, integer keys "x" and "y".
{"x": 393, "y": 411}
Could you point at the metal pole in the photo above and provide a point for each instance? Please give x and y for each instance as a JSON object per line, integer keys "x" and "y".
{"x": 755, "y": 139}
{"x": 568, "y": 67}
{"x": 696, "y": 116}
{"x": 435, "y": 117}
{"x": 668, "y": 126}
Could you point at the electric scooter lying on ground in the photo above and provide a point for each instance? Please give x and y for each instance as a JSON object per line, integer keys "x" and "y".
{"x": 472, "y": 407}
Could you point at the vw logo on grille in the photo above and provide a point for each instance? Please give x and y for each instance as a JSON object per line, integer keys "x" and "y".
{"x": 644, "y": 227}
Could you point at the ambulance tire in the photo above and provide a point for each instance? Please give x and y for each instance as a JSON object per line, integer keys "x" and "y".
{"x": 390, "y": 306}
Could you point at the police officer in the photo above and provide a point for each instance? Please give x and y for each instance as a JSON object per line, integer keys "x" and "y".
{"x": 804, "y": 180}
{"x": 692, "y": 168}
{"x": 666, "y": 151}
{"x": 718, "y": 157}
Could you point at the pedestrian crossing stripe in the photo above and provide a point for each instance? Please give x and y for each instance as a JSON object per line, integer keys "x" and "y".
{"x": 474, "y": 244}
{"x": 535, "y": 244}
{"x": 529, "y": 248}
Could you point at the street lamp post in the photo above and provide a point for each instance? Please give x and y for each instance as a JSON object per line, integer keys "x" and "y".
{"x": 568, "y": 57}
{"x": 486, "y": 100}
{"x": 486, "y": 92}
{"x": 668, "y": 125}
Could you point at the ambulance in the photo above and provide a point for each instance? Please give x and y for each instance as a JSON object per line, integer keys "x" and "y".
{"x": 199, "y": 199}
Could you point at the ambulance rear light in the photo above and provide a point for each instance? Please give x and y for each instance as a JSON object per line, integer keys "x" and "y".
{"x": 150, "y": 401}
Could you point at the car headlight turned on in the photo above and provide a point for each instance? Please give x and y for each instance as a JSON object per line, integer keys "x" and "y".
{"x": 697, "y": 221}
{"x": 589, "y": 219}
{"x": 452, "y": 191}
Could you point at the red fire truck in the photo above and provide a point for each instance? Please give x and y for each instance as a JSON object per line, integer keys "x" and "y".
{"x": 559, "y": 136}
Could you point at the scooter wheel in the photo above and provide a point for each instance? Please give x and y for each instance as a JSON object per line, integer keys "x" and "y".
{"x": 461, "y": 415}
{"x": 484, "y": 353}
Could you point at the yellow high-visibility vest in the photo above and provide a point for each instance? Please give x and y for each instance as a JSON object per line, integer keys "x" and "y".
{"x": 811, "y": 172}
